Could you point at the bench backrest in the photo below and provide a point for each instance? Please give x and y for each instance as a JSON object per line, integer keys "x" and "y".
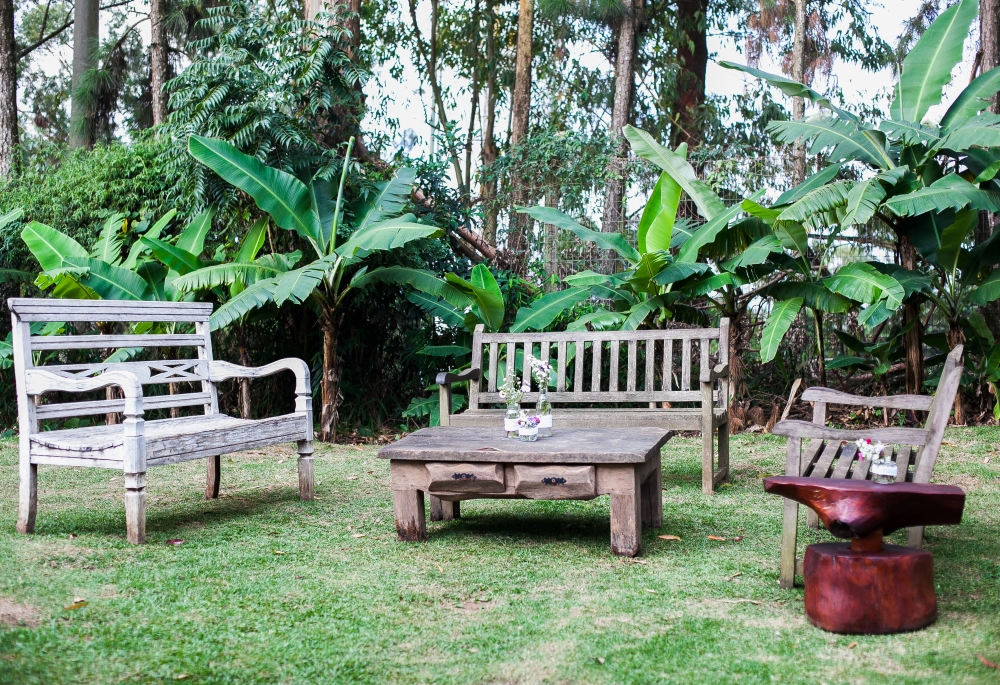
{"x": 26, "y": 311}
{"x": 659, "y": 365}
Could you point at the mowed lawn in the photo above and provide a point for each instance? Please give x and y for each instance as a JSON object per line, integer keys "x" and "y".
{"x": 268, "y": 589}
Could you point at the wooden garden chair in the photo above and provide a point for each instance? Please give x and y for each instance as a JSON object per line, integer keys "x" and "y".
{"x": 831, "y": 452}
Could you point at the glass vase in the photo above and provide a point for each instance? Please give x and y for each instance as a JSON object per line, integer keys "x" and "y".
{"x": 510, "y": 420}
{"x": 544, "y": 412}
{"x": 884, "y": 472}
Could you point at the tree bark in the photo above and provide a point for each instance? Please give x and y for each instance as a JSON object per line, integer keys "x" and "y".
{"x": 489, "y": 152}
{"x": 692, "y": 55}
{"x": 820, "y": 347}
{"x": 517, "y": 240}
{"x": 330, "y": 383}
{"x": 246, "y": 405}
{"x": 989, "y": 41}
{"x": 86, "y": 26}
{"x": 8, "y": 91}
{"x": 799, "y": 74}
{"x": 913, "y": 338}
{"x": 621, "y": 114}
{"x": 158, "y": 48}
{"x": 956, "y": 336}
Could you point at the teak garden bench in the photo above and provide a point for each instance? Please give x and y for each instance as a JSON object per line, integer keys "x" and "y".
{"x": 658, "y": 372}
{"x": 831, "y": 452}
{"x": 135, "y": 445}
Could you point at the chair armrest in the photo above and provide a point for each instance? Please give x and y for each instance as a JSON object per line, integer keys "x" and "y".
{"x": 829, "y": 396}
{"x": 39, "y": 382}
{"x": 223, "y": 371}
{"x": 446, "y": 378}
{"x": 792, "y": 428}
{"x": 712, "y": 375}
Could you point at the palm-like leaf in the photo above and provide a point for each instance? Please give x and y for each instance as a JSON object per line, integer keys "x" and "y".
{"x": 756, "y": 253}
{"x": 192, "y": 238}
{"x": 981, "y": 131}
{"x": 108, "y": 247}
{"x": 605, "y": 241}
{"x": 791, "y": 88}
{"x": 813, "y": 295}
{"x": 948, "y": 192}
{"x": 640, "y": 312}
{"x": 436, "y": 307}
{"x": 818, "y": 201}
{"x": 228, "y": 273}
{"x": 177, "y": 259}
{"x": 110, "y": 282}
{"x": 678, "y": 271}
{"x": 657, "y": 222}
{"x": 253, "y": 241}
{"x": 423, "y": 281}
{"x": 844, "y": 139}
{"x": 546, "y": 309}
{"x": 927, "y": 67}
{"x": 138, "y": 247}
{"x": 389, "y": 200}
{"x": 257, "y": 295}
{"x": 988, "y": 290}
{"x": 707, "y": 233}
{"x": 863, "y": 283}
{"x": 51, "y": 247}
{"x": 950, "y": 250}
{"x": 910, "y": 133}
{"x": 863, "y": 201}
{"x": 388, "y": 235}
{"x": 821, "y": 177}
{"x": 15, "y": 276}
{"x": 782, "y": 315}
{"x": 973, "y": 99}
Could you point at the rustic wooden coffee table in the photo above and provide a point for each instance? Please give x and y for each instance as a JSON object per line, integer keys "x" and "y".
{"x": 458, "y": 463}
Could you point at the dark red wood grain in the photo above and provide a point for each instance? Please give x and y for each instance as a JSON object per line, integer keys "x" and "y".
{"x": 858, "y": 508}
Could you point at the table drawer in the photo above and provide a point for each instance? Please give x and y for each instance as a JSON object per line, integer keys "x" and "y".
{"x": 555, "y": 482}
{"x": 471, "y": 478}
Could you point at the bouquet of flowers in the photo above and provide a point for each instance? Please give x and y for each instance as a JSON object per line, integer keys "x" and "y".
{"x": 870, "y": 450}
{"x": 528, "y": 422}
{"x": 512, "y": 391}
{"x": 541, "y": 371}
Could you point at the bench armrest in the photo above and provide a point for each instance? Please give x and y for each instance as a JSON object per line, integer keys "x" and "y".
{"x": 223, "y": 371}
{"x": 39, "y": 382}
{"x": 792, "y": 428}
{"x": 712, "y": 375}
{"x": 446, "y": 378}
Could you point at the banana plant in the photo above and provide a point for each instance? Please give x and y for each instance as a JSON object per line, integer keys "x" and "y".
{"x": 337, "y": 269}
{"x": 920, "y": 173}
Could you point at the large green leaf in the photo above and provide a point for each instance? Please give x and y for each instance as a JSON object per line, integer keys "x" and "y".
{"x": 818, "y": 201}
{"x": 756, "y": 253}
{"x": 678, "y": 271}
{"x": 988, "y": 290}
{"x": 813, "y": 295}
{"x": 389, "y": 200}
{"x": 138, "y": 248}
{"x": 844, "y": 139}
{"x": 605, "y": 241}
{"x": 951, "y": 191}
{"x": 227, "y": 273}
{"x": 973, "y": 99}
{"x": 820, "y": 178}
{"x": 708, "y": 202}
{"x": 911, "y": 133}
{"x": 50, "y": 247}
{"x": 862, "y": 202}
{"x": 436, "y": 307}
{"x": 278, "y": 193}
{"x": 489, "y": 298}
{"x": 111, "y": 282}
{"x": 657, "y": 222}
{"x": 588, "y": 278}
{"x": 388, "y": 235}
{"x": 982, "y": 131}
{"x": 546, "y": 309}
{"x": 599, "y": 320}
{"x": 297, "y": 285}
{"x": 15, "y": 276}
{"x": 708, "y": 285}
{"x": 863, "y": 283}
{"x": 928, "y": 65}
{"x": 192, "y": 238}
{"x": 253, "y": 241}
{"x": 177, "y": 259}
{"x": 11, "y": 216}
{"x": 783, "y": 313}
{"x": 424, "y": 281}
{"x": 950, "y": 250}
{"x": 640, "y": 312}
{"x": 108, "y": 247}
{"x": 793, "y": 236}
{"x": 254, "y": 297}
{"x": 790, "y": 88}
{"x": 707, "y": 233}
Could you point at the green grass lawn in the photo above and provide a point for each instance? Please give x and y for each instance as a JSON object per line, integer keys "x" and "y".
{"x": 268, "y": 589}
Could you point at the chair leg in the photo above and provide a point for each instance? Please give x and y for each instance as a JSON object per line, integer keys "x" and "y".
{"x": 213, "y": 476}
{"x": 307, "y": 489}
{"x": 915, "y": 537}
{"x": 707, "y": 465}
{"x": 789, "y": 533}
{"x": 135, "y": 507}
{"x": 28, "y": 492}
{"x": 724, "y": 451}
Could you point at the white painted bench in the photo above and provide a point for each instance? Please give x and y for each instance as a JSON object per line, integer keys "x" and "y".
{"x": 135, "y": 445}
{"x": 671, "y": 362}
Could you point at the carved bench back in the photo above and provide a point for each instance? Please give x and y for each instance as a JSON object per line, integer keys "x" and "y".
{"x": 642, "y": 366}
{"x": 191, "y": 317}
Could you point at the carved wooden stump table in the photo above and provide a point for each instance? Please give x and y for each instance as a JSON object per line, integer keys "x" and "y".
{"x": 866, "y": 587}
{"x": 458, "y": 463}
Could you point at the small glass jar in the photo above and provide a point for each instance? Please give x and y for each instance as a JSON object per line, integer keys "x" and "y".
{"x": 544, "y": 412}
{"x": 884, "y": 472}
{"x": 510, "y": 420}
{"x": 527, "y": 433}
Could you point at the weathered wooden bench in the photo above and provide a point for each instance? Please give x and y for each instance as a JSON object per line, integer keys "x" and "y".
{"x": 658, "y": 372}
{"x": 135, "y": 445}
{"x": 831, "y": 452}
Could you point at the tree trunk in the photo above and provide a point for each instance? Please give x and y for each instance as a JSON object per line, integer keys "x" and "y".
{"x": 330, "y": 383}
{"x": 246, "y": 406}
{"x": 989, "y": 50}
{"x": 489, "y": 152}
{"x": 8, "y": 90}
{"x": 86, "y": 26}
{"x": 799, "y": 74}
{"x": 913, "y": 339}
{"x": 692, "y": 55}
{"x": 158, "y": 47}
{"x": 956, "y": 336}
{"x": 621, "y": 113}
{"x": 820, "y": 347}
{"x": 517, "y": 240}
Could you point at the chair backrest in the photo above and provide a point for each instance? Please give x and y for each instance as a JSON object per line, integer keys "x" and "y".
{"x": 659, "y": 365}
{"x": 26, "y": 311}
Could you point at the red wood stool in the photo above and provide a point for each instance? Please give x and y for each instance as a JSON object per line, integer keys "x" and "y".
{"x": 866, "y": 587}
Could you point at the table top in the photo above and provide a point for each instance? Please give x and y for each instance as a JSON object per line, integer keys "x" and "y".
{"x": 566, "y": 446}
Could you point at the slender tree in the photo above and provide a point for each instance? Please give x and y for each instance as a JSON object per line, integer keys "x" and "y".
{"x": 517, "y": 240}
{"x": 799, "y": 74}
{"x": 158, "y": 49}
{"x": 8, "y": 90}
{"x": 86, "y": 25}
{"x": 692, "y": 58}
{"x": 489, "y": 151}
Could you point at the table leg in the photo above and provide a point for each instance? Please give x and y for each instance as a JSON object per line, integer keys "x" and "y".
{"x": 411, "y": 522}
{"x": 653, "y": 493}
{"x": 626, "y": 532}
{"x": 442, "y": 510}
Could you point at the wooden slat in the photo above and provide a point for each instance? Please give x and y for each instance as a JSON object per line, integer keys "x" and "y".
{"x": 703, "y": 348}
{"x": 686, "y": 364}
{"x": 487, "y": 398}
{"x": 581, "y": 349}
{"x": 93, "y": 408}
{"x": 511, "y": 360}
{"x": 595, "y": 373}
{"x": 809, "y": 455}
{"x": 151, "y": 372}
{"x": 903, "y": 462}
{"x": 100, "y": 342}
{"x": 650, "y": 357}
{"x": 847, "y": 455}
{"x": 477, "y": 363}
{"x": 890, "y": 436}
{"x": 668, "y": 364}
{"x": 822, "y": 466}
{"x": 630, "y": 370}
{"x": 861, "y": 468}
{"x": 494, "y": 367}
{"x": 52, "y": 309}
{"x": 915, "y": 402}
{"x": 605, "y": 336}
{"x": 615, "y": 370}
{"x": 561, "y": 366}
{"x": 525, "y": 366}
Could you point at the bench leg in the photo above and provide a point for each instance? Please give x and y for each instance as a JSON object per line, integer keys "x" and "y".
{"x": 135, "y": 507}
{"x": 789, "y": 534}
{"x": 915, "y": 537}
{"x": 707, "y": 465}
{"x": 724, "y": 451}
{"x": 307, "y": 489}
{"x": 213, "y": 476}
{"x": 626, "y": 531}
{"x": 411, "y": 522}
{"x": 442, "y": 510}
{"x": 28, "y": 491}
